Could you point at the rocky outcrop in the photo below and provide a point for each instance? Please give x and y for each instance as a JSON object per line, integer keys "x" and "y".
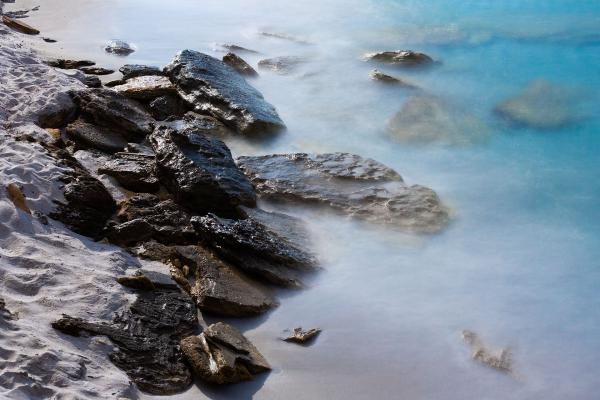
{"x": 347, "y": 183}
{"x": 282, "y": 65}
{"x": 133, "y": 171}
{"x": 242, "y": 67}
{"x": 200, "y": 172}
{"x": 118, "y": 47}
{"x": 213, "y": 87}
{"x": 146, "y": 87}
{"x": 300, "y": 336}
{"x": 221, "y": 355}
{"x": 89, "y": 136}
{"x": 134, "y": 70}
{"x": 402, "y": 58}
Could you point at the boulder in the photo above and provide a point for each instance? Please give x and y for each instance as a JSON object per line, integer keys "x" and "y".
{"x": 91, "y": 136}
{"x": 379, "y": 76}
{"x": 166, "y": 107}
{"x": 359, "y": 187}
{"x": 402, "y": 58}
{"x": 204, "y": 124}
{"x": 222, "y": 355}
{"x": 211, "y": 86}
{"x": 70, "y": 64}
{"x": 133, "y": 171}
{"x": 107, "y": 108}
{"x": 200, "y": 172}
{"x": 300, "y": 336}
{"x": 236, "y": 62}
{"x": 19, "y": 26}
{"x": 96, "y": 70}
{"x": 118, "y": 47}
{"x": 146, "y": 87}
{"x": 92, "y": 82}
{"x": 282, "y": 65}
{"x": 134, "y": 70}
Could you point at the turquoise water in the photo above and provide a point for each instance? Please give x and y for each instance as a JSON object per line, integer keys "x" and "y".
{"x": 519, "y": 263}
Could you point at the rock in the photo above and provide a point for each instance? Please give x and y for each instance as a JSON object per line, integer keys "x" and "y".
{"x": 427, "y": 119}
{"x": 284, "y": 36}
{"x": 256, "y": 249}
{"x": 147, "y": 336}
{"x": 133, "y": 171}
{"x": 301, "y": 336}
{"x": 347, "y": 183}
{"x": 165, "y": 107}
{"x": 134, "y": 70}
{"x": 379, "y": 76}
{"x": 131, "y": 232}
{"x": 204, "y": 124}
{"x": 19, "y": 26}
{"x": 49, "y": 40}
{"x": 114, "y": 83}
{"x": 70, "y": 64}
{"x": 119, "y": 47}
{"x": 541, "y": 105}
{"x": 91, "y": 136}
{"x": 107, "y": 108}
{"x": 237, "y": 63}
{"x": 282, "y": 65}
{"x": 403, "y": 58}
{"x": 96, "y": 70}
{"x": 501, "y": 360}
{"x": 155, "y": 251}
{"x": 92, "y": 82}
{"x": 15, "y": 194}
{"x": 222, "y": 355}
{"x": 238, "y": 49}
{"x": 146, "y": 87}
{"x": 140, "y": 282}
{"x": 200, "y": 172}
{"x": 211, "y": 86}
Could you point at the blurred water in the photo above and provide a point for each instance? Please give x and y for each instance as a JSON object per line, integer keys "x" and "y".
{"x": 519, "y": 264}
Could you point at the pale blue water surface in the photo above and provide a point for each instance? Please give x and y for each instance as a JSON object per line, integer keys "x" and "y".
{"x": 519, "y": 263}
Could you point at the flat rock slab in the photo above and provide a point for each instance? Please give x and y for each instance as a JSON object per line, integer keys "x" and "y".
{"x": 301, "y": 336}
{"x": 146, "y": 87}
{"x": 19, "y": 26}
{"x": 89, "y": 136}
{"x": 402, "y": 58}
{"x": 133, "y": 171}
{"x": 212, "y": 86}
{"x": 200, "y": 172}
{"x": 222, "y": 355}
{"x": 135, "y": 70}
{"x": 96, "y": 70}
{"x": 347, "y": 183}
{"x": 242, "y": 67}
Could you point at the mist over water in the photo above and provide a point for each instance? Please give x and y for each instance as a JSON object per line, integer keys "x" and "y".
{"x": 518, "y": 263}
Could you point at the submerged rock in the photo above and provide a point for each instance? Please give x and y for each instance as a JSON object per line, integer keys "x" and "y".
{"x": 427, "y": 119}
{"x": 379, "y": 76}
{"x": 119, "y": 47}
{"x": 284, "y": 36}
{"x": 96, "y": 70}
{"x": 237, "y": 63}
{"x": 404, "y": 58}
{"x": 359, "y": 187}
{"x": 301, "y": 336}
{"x": 133, "y": 171}
{"x": 200, "y": 172}
{"x": 165, "y": 107}
{"x": 19, "y": 26}
{"x": 501, "y": 360}
{"x": 146, "y": 87}
{"x": 88, "y": 136}
{"x": 238, "y": 49}
{"x": 134, "y": 70}
{"x": 212, "y": 86}
{"x": 222, "y": 355}
{"x": 282, "y": 65}
{"x": 70, "y": 64}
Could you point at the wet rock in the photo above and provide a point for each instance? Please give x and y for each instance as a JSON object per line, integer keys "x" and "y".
{"x": 404, "y": 58}
{"x": 133, "y": 171}
{"x": 92, "y": 82}
{"x": 146, "y": 87}
{"x": 237, "y": 63}
{"x": 282, "y": 65}
{"x": 49, "y": 40}
{"x": 301, "y": 336}
{"x": 15, "y": 194}
{"x": 147, "y": 336}
{"x": 200, "y": 172}
{"x": 256, "y": 249}
{"x": 501, "y": 360}
{"x": 165, "y": 107}
{"x": 134, "y": 70}
{"x": 238, "y": 49}
{"x": 119, "y": 47}
{"x": 347, "y": 183}
{"x": 379, "y": 76}
{"x": 91, "y": 136}
{"x": 139, "y": 281}
{"x": 212, "y": 86}
{"x": 204, "y": 124}
{"x": 19, "y": 26}
{"x": 70, "y": 64}
{"x": 96, "y": 70}
{"x": 107, "y": 108}
{"x": 427, "y": 119}
{"x": 541, "y": 105}
{"x": 222, "y": 355}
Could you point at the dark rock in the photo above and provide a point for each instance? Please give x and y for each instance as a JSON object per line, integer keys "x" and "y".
{"x": 204, "y": 124}
{"x": 164, "y": 107}
{"x": 112, "y": 110}
{"x": 222, "y": 355}
{"x": 92, "y": 82}
{"x": 96, "y": 70}
{"x": 282, "y": 65}
{"x": 146, "y": 87}
{"x": 135, "y": 70}
{"x": 130, "y": 232}
{"x": 404, "y": 58}
{"x": 237, "y": 63}
{"x": 70, "y": 64}
{"x": 58, "y": 114}
{"x": 49, "y": 40}
{"x": 301, "y": 336}
{"x": 379, "y": 76}
{"x": 238, "y": 49}
{"x": 256, "y": 249}
{"x": 140, "y": 282}
{"x": 200, "y": 172}
{"x": 139, "y": 148}
{"x": 19, "y": 26}
{"x": 212, "y": 86}
{"x": 133, "y": 171}
{"x": 87, "y": 136}
{"x": 147, "y": 336}
{"x": 348, "y": 183}
{"x": 119, "y": 48}
{"x": 114, "y": 83}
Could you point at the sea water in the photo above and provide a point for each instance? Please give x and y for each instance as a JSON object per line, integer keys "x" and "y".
{"x": 518, "y": 264}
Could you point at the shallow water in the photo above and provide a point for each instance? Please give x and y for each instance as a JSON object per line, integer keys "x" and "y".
{"x": 519, "y": 263}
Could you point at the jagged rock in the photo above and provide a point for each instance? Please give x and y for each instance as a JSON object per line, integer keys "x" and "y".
{"x": 238, "y": 49}
{"x": 70, "y": 64}
{"x": 119, "y": 47}
{"x": 165, "y": 107}
{"x": 155, "y": 251}
{"x": 204, "y": 124}
{"x": 222, "y": 355}
{"x": 282, "y": 65}
{"x": 92, "y": 82}
{"x": 501, "y": 360}
{"x": 427, "y": 119}
{"x": 133, "y": 171}
{"x": 19, "y": 26}
{"x": 96, "y": 70}
{"x": 256, "y": 248}
{"x": 112, "y": 110}
{"x": 146, "y": 87}
{"x": 404, "y": 58}
{"x": 139, "y": 281}
{"x": 379, "y": 76}
{"x": 15, "y": 194}
{"x": 130, "y": 232}
{"x": 301, "y": 336}
{"x": 147, "y": 336}
{"x": 88, "y": 136}
{"x": 237, "y": 63}
{"x": 361, "y": 188}
{"x": 135, "y": 70}
{"x": 200, "y": 172}
{"x": 211, "y": 86}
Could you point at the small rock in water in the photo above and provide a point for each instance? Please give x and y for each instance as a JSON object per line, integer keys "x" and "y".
{"x": 70, "y": 64}
{"x": 87, "y": 136}
{"x": 501, "y": 360}
{"x": 404, "y": 58}
{"x": 301, "y": 336}
{"x": 238, "y": 49}
{"x": 222, "y": 355}
{"x": 19, "y": 26}
{"x": 146, "y": 87}
{"x": 134, "y": 70}
{"x": 96, "y": 70}
{"x": 119, "y": 47}
{"x": 282, "y": 65}
{"x": 133, "y": 171}
{"x": 15, "y": 194}
{"x": 284, "y": 36}
{"x": 49, "y": 40}
{"x": 92, "y": 82}
{"x": 237, "y": 63}
{"x": 379, "y": 76}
